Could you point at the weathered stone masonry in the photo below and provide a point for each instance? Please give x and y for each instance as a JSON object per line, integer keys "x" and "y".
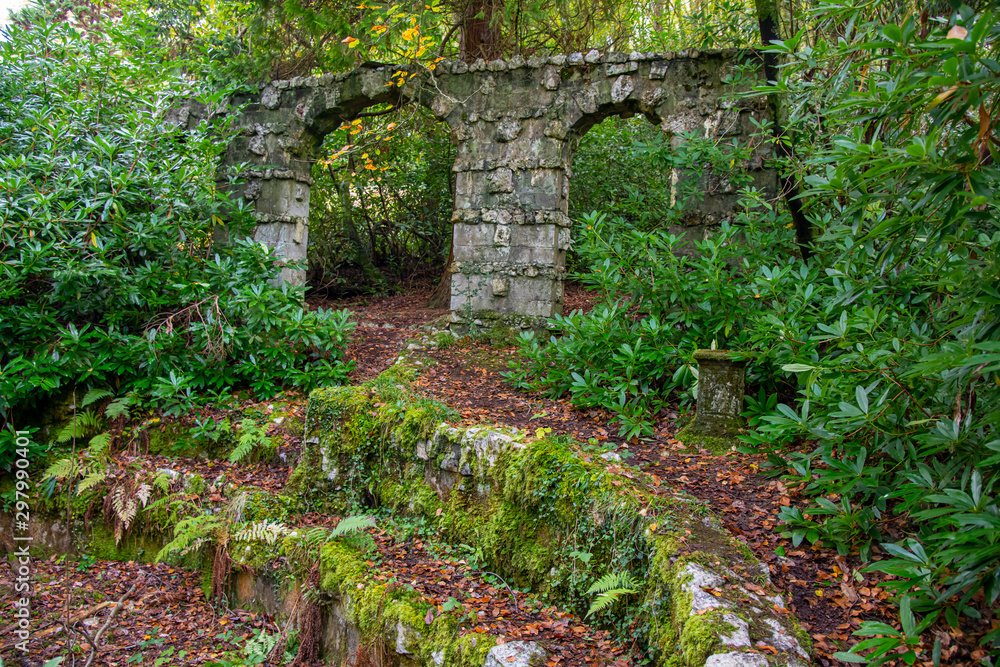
{"x": 516, "y": 124}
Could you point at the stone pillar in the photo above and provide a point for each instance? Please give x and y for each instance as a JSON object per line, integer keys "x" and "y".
{"x": 511, "y": 231}
{"x": 282, "y": 213}
{"x": 273, "y": 146}
{"x": 720, "y": 401}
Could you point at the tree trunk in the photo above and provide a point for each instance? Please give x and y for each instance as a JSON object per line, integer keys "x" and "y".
{"x": 441, "y": 298}
{"x": 769, "y": 20}
{"x": 372, "y": 274}
{"x": 480, "y": 31}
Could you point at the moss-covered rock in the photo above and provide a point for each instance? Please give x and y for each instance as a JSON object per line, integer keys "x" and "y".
{"x": 381, "y": 609}
{"x": 530, "y": 506}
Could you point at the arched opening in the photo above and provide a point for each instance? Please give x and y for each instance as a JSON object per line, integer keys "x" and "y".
{"x": 380, "y": 202}
{"x": 516, "y": 126}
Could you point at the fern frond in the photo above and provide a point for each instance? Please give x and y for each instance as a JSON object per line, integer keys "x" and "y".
{"x": 609, "y": 588}
{"x": 118, "y": 408}
{"x": 143, "y": 493}
{"x": 118, "y": 501}
{"x": 605, "y": 600}
{"x": 316, "y": 536}
{"x": 352, "y": 524}
{"x": 78, "y": 426}
{"x": 243, "y": 448}
{"x": 99, "y": 443}
{"x": 91, "y": 480}
{"x": 61, "y": 468}
{"x": 162, "y": 482}
{"x": 158, "y": 503}
{"x": 251, "y": 435}
{"x": 131, "y": 509}
{"x": 611, "y": 581}
{"x": 190, "y": 534}
{"x": 95, "y": 395}
{"x": 262, "y": 531}
{"x": 74, "y": 429}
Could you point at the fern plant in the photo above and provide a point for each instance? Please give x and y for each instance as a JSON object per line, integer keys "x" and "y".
{"x": 191, "y": 533}
{"x": 609, "y": 589}
{"x": 252, "y": 436}
{"x": 94, "y": 468}
{"x": 351, "y": 524}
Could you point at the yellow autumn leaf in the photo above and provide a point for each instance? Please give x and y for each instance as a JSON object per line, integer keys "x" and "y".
{"x": 350, "y": 41}
{"x": 941, "y": 97}
{"x": 957, "y": 32}
{"x": 93, "y": 239}
{"x": 409, "y": 33}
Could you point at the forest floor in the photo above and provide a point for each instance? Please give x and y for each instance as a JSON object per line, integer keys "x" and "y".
{"x": 166, "y": 620}
{"x": 828, "y": 592}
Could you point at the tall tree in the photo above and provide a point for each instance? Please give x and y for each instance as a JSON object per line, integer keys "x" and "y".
{"x": 769, "y": 19}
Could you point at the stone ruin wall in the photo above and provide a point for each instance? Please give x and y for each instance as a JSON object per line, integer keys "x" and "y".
{"x": 516, "y": 124}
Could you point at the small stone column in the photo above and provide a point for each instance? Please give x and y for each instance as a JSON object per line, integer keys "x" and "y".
{"x": 720, "y": 401}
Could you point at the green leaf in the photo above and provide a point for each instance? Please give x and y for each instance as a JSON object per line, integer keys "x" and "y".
{"x": 797, "y": 368}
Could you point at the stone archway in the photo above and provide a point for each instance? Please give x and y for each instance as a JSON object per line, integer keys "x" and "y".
{"x": 516, "y": 124}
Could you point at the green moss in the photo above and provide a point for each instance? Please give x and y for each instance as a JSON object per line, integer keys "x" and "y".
{"x": 195, "y": 484}
{"x": 701, "y": 635}
{"x": 267, "y": 506}
{"x": 500, "y": 334}
{"x": 444, "y": 340}
{"x": 341, "y": 568}
{"x": 252, "y": 556}
{"x": 692, "y": 437}
{"x": 173, "y": 439}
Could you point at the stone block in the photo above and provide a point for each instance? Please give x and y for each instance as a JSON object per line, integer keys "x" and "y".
{"x": 507, "y": 130}
{"x": 622, "y": 88}
{"x": 501, "y": 180}
{"x": 614, "y": 69}
{"x": 551, "y": 78}
{"x": 283, "y": 197}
